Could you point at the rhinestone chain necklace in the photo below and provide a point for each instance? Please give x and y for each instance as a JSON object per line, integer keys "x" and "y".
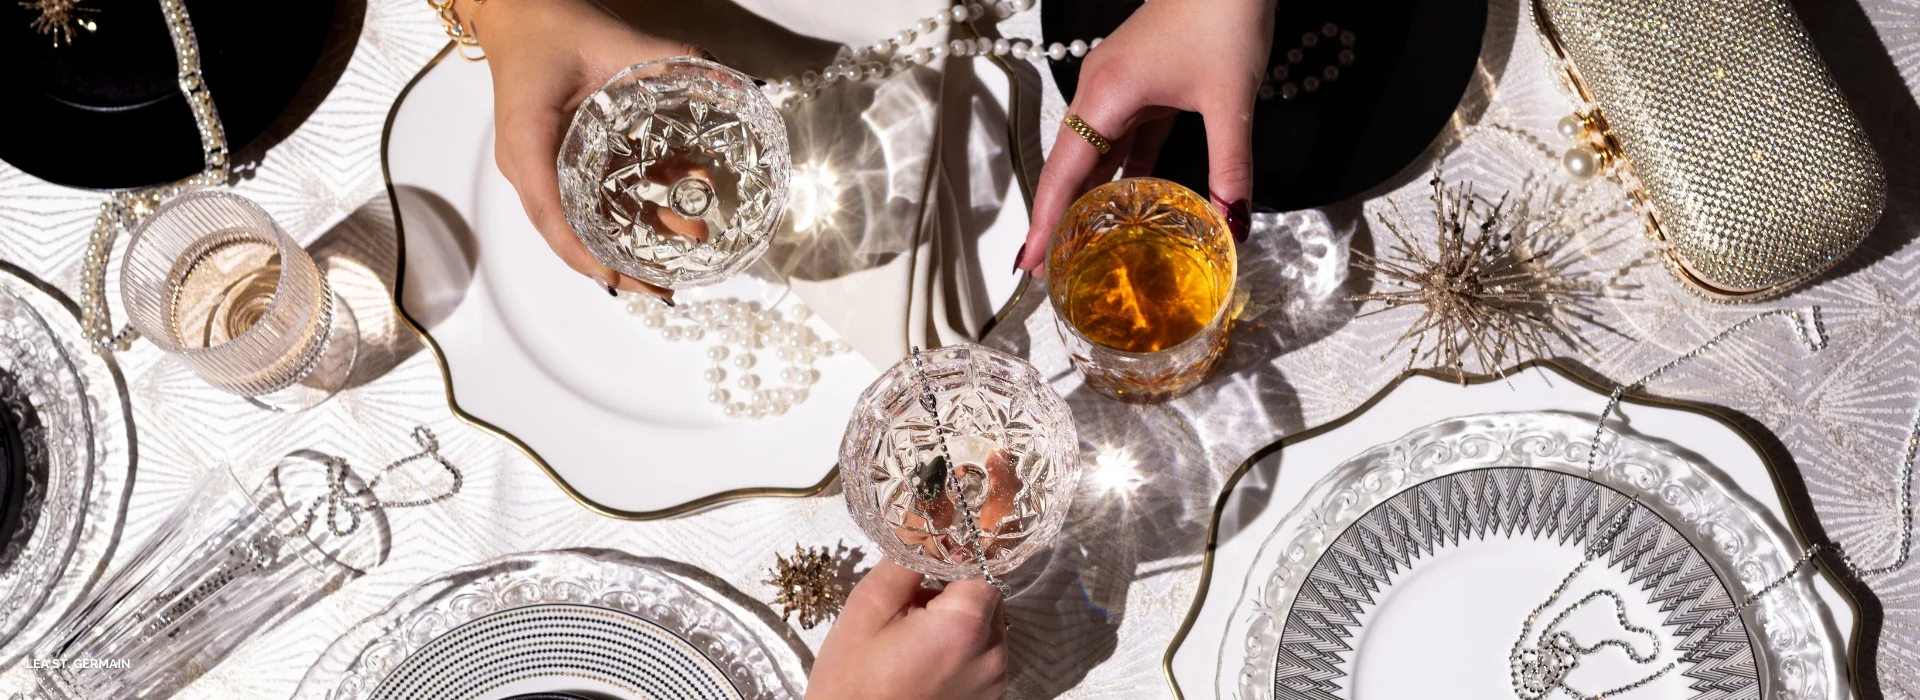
{"x": 126, "y": 208}
{"x": 355, "y": 501}
{"x": 1537, "y": 671}
{"x": 971, "y": 534}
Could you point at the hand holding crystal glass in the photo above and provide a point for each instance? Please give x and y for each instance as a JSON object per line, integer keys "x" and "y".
{"x": 1205, "y": 56}
{"x": 898, "y": 639}
{"x": 960, "y": 462}
{"x": 546, "y": 59}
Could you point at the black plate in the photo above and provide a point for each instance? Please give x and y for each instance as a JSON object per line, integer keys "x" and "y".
{"x": 106, "y": 111}
{"x": 1412, "y": 62}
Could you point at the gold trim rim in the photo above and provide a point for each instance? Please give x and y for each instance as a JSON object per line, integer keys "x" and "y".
{"x": 1587, "y": 379}
{"x": 446, "y": 372}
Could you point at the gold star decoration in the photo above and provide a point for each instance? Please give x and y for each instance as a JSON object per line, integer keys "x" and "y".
{"x": 58, "y": 18}
{"x": 808, "y": 584}
{"x": 1500, "y": 285}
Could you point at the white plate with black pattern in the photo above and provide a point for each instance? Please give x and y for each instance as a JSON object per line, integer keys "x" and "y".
{"x": 1411, "y": 568}
{"x": 597, "y": 623}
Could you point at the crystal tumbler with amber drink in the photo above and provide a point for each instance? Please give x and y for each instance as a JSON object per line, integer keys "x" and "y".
{"x": 1141, "y": 274}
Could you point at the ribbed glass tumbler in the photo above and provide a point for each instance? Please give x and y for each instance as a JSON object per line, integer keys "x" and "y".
{"x": 237, "y": 557}
{"x": 211, "y": 279}
{"x": 1015, "y": 457}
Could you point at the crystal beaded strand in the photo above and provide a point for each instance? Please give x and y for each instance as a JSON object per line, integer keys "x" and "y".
{"x": 972, "y": 533}
{"x": 739, "y": 330}
{"x": 124, "y": 210}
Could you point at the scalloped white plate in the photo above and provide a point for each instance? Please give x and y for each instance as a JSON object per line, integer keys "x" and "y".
{"x": 617, "y": 413}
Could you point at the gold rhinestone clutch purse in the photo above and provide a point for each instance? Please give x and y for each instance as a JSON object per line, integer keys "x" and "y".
{"x": 1739, "y": 150}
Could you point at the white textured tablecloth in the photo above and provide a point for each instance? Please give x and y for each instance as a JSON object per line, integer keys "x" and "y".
{"x": 1097, "y": 620}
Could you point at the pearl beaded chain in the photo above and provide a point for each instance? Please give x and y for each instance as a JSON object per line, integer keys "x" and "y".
{"x": 740, "y": 329}
{"x": 891, "y": 55}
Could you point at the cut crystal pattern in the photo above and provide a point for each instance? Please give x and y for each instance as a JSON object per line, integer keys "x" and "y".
{"x": 675, "y": 172}
{"x": 1015, "y": 451}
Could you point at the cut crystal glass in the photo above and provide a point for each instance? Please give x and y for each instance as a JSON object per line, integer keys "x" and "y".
{"x": 675, "y": 172}
{"x": 1015, "y": 455}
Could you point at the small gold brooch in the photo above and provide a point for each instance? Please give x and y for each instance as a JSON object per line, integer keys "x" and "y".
{"x": 808, "y": 584}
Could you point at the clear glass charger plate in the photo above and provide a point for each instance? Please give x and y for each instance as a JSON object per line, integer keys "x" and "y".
{"x": 78, "y": 460}
{"x": 1413, "y": 565}
{"x": 716, "y": 643}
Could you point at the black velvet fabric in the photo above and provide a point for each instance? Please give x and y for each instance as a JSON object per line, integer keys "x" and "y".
{"x": 106, "y": 111}
{"x": 1412, "y": 62}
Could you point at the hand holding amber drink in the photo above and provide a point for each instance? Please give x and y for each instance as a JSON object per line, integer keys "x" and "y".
{"x": 1141, "y": 274}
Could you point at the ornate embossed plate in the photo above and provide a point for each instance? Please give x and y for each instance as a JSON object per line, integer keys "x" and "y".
{"x": 77, "y": 450}
{"x": 591, "y": 621}
{"x": 1411, "y": 566}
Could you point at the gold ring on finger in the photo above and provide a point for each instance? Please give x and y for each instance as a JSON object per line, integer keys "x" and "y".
{"x": 1099, "y": 143}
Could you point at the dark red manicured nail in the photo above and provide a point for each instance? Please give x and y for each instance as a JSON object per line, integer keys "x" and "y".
{"x": 1017, "y": 257}
{"x": 1238, "y": 214}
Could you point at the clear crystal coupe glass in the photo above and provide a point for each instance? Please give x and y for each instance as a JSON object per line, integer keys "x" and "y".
{"x": 1141, "y": 275}
{"x": 1015, "y": 455}
{"x": 675, "y": 172}
{"x": 229, "y": 562}
{"x": 213, "y": 280}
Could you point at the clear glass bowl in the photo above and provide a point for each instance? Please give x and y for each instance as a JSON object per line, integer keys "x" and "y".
{"x": 675, "y": 172}
{"x": 1011, "y": 437}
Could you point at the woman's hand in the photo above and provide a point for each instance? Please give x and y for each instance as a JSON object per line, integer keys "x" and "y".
{"x": 1204, "y": 56}
{"x": 547, "y": 56}
{"x": 898, "y": 641}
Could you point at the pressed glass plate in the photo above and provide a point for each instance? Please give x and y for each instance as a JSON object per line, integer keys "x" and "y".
{"x": 723, "y": 647}
{"x": 1443, "y": 540}
{"x": 71, "y": 410}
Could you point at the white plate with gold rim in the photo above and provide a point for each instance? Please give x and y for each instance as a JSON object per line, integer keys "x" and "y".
{"x": 619, "y": 415}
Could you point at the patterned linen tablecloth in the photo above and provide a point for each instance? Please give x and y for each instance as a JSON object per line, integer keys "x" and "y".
{"x": 1095, "y": 616}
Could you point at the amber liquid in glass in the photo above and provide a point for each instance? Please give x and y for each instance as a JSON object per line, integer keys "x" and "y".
{"x": 1142, "y": 289}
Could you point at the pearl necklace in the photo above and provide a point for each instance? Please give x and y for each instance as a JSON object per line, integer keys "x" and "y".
{"x": 891, "y": 56}
{"x": 739, "y": 329}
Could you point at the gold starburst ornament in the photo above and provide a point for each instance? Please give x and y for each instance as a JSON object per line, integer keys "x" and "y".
{"x": 1499, "y": 285}
{"x": 60, "y": 18}
{"x": 808, "y": 584}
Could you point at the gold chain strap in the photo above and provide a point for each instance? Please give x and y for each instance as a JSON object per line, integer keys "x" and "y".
{"x": 462, "y": 35}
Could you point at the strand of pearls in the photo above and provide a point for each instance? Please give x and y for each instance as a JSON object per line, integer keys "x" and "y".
{"x": 896, "y": 54}
{"x": 738, "y": 331}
